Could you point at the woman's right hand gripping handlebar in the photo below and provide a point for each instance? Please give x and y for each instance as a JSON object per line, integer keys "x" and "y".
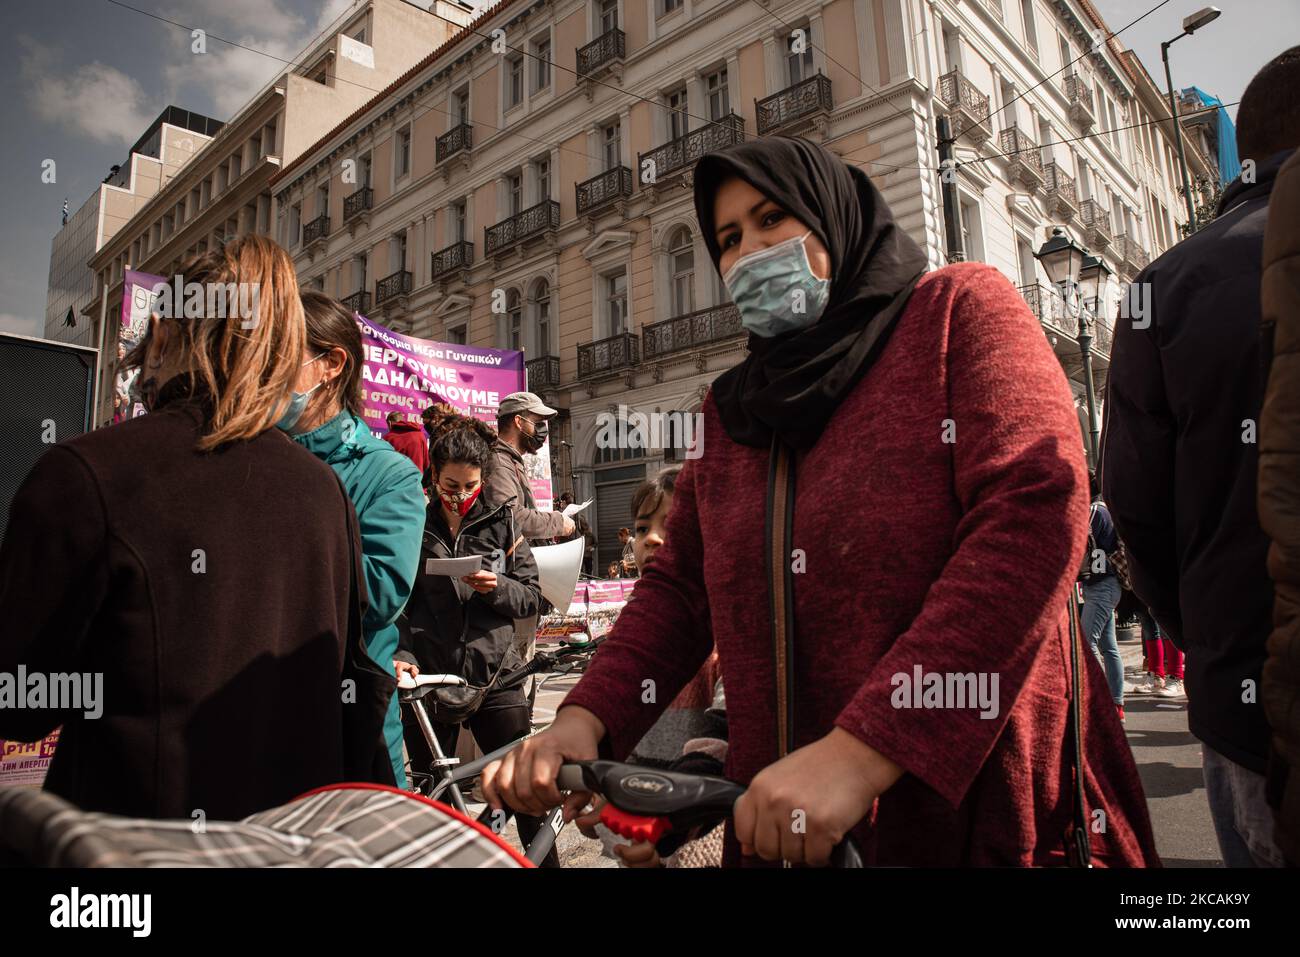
{"x": 525, "y": 778}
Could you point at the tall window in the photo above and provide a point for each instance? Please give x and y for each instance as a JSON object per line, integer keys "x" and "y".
{"x": 608, "y": 15}
{"x": 461, "y": 106}
{"x": 541, "y": 63}
{"x": 1025, "y": 260}
{"x": 1066, "y": 55}
{"x": 799, "y": 62}
{"x": 515, "y": 82}
{"x": 611, "y": 144}
{"x": 972, "y": 231}
{"x": 681, "y": 265}
{"x": 364, "y": 165}
{"x": 515, "y": 192}
{"x": 359, "y": 271}
{"x": 457, "y": 335}
{"x": 514, "y": 320}
{"x": 668, "y": 6}
{"x": 295, "y": 225}
{"x": 1031, "y": 28}
{"x": 715, "y": 88}
{"x": 323, "y": 199}
{"x": 677, "y": 115}
{"x": 403, "y": 151}
{"x": 397, "y": 252}
{"x": 543, "y": 168}
{"x": 542, "y": 303}
{"x": 458, "y": 221}
{"x": 616, "y": 302}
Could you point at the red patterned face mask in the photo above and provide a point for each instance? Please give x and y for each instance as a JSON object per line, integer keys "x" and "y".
{"x": 459, "y": 502}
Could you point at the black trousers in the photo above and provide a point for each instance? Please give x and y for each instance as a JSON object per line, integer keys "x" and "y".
{"x": 500, "y": 719}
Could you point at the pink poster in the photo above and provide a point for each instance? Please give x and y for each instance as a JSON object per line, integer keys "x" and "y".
{"x": 138, "y": 297}
{"x": 25, "y": 764}
{"x": 405, "y": 374}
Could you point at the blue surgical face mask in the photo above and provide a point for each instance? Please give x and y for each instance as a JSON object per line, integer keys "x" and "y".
{"x": 775, "y": 289}
{"x": 297, "y": 404}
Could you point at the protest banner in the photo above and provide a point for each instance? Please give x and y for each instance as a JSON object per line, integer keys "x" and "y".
{"x": 406, "y": 373}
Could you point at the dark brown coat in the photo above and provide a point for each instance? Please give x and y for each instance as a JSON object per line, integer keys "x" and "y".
{"x": 1279, "y": 500}
{"x": 211, "y": 590}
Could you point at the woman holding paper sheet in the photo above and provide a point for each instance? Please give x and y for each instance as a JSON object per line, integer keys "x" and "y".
{"x": 464, "y": 624}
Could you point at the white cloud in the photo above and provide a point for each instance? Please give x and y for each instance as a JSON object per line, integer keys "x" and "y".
{"x": 231, "y": 75}
{"x": 93, "y": 99}
{"x": 24, "y": 327}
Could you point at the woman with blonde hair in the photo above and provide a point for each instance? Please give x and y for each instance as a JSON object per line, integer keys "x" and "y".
{"x": 200, "y": 571}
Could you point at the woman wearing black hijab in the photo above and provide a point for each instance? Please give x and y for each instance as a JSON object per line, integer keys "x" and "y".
{"x": 900, "y": 669}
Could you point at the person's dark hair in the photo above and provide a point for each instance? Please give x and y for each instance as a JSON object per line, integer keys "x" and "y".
{"x": 1268, "y": 117}
{"x": 330, "y": 325}
{"x": 651, "y": 492}
{"x": 464, "y": 440}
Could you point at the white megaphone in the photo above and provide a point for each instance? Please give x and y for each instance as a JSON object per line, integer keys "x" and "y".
{"x": 558, "y": 567}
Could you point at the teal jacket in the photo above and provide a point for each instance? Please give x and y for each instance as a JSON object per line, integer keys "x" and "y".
{"x": 385, "y": 490}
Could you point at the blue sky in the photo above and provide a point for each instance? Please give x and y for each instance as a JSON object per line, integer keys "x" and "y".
{"x": 86, "y": 77}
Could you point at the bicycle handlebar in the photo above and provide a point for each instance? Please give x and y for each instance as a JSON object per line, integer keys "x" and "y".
{"x": 645, "y": 804}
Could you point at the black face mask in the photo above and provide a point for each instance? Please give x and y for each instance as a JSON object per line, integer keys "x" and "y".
{"x": 537, "y": 438}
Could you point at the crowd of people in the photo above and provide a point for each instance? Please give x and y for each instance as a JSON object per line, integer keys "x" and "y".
{"x": 892, "y": 484}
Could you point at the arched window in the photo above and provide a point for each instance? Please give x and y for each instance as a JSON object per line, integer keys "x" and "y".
{"x": 542, "y": 316}
{"x": 681, "y": 271}
{"x": 514, "y": 320}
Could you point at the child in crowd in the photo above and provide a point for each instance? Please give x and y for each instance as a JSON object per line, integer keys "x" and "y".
{"x": 691, "y": 735}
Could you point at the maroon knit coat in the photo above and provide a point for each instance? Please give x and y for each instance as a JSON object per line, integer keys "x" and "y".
{"x": 942, "y": 516}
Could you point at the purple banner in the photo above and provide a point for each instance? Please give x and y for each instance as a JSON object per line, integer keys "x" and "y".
{"x": 405, "y": 374}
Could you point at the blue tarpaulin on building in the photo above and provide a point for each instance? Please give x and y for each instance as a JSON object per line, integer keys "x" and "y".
{"x": 1229, "y": 162}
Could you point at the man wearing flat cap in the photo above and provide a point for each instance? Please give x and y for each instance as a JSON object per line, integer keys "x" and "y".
{"x": 523, "y": 422}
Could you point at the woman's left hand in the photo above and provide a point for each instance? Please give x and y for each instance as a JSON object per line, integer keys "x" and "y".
{"x": 799, "y": 808}
{"x": 481, "y": 581}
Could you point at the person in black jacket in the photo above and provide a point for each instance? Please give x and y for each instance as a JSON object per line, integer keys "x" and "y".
{"x": 1179, "y": 465}
{"x": 466, "y": 626}
{"x": 200, "y": 562}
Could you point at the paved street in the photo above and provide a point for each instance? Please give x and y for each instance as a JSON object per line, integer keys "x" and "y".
{"x": 1169, "y": 760}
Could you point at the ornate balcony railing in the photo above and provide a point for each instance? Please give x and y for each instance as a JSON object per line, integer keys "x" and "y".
{"x": 605, "y": 49}
{"x": 318, "y": 228}
{"x": 685, "y": 151}
{"x": 1103, "y": 335}
{"x": 358, "y": 202}
{"x": 398, "y": 284}
{"x": 1025, "y": 163}
{"x": 1058, "y": 187}
{"x": 533, "y": 221}
{"x": 604, "y": 188}
{"x": 543, "y": 373}
{"x": 794, "y": 104}
{"x": 459, "y": 255}
{"x": 1079, "y": 94}
{"x": 608, "y": 355}
{"x": 357, "y": 302}
{"x": 1046, "y": 303}
{"x": 968, "y": 107}
{"x": 1130, "y": 254}
{"x": 1096, "y": 224}
{"x": 459, "y": 138}
{"x": 699, "y": 328}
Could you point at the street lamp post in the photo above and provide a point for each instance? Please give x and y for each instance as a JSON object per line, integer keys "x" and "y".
{"x": 1190, "y": 25}
{"x": 1094, "y": 287}
{"x": 1065, "y": 264}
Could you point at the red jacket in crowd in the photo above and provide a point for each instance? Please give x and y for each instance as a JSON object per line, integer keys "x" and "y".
{"x": 409, "y": 439}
